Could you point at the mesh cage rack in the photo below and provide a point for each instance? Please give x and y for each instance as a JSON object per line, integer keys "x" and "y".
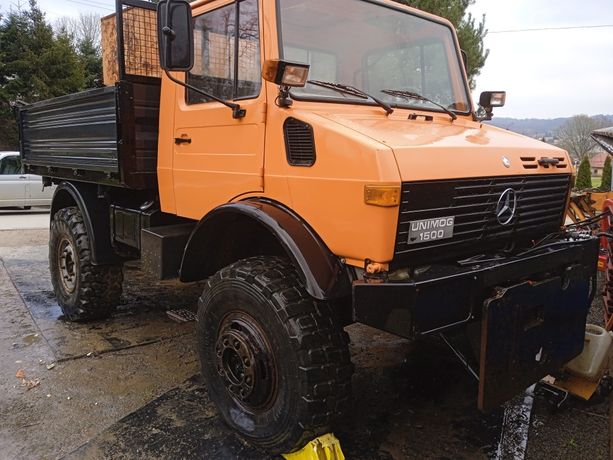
{"x": 129, "y": 42}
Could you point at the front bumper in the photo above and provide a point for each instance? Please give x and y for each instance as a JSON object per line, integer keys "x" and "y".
{"x": 532, "y": 310}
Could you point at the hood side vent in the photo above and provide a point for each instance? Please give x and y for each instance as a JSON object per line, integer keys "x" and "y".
{"x": 299, "y": 142}
{"x": 529, "y": 162}
{"x": 562, "y": 163}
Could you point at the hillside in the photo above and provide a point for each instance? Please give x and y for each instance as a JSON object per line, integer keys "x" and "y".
{"x": 538, "y": 127}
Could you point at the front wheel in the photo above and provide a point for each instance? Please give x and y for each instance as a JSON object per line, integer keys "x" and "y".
{"x": 275, "y": 361}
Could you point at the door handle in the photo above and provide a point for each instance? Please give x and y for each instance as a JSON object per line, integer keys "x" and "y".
{"x": 183, "y": 140}
{"x": 23, "y": 177}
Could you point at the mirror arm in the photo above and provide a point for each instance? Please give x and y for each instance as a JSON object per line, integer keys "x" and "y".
{"x": 237, "y": 111}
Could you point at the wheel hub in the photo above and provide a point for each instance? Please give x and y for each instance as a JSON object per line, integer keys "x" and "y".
{"x": 67, "y": 265}
{"x": 245, "y": 362}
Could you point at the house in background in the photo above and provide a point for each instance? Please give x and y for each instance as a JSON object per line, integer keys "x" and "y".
{"x": 597, "y": 163}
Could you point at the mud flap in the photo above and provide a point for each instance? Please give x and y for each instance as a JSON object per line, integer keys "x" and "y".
{"x": 530, "y": 330}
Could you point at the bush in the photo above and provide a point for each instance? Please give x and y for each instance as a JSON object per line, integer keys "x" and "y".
{"x": 584, "y": 176}
{"x": 605, "y": 185}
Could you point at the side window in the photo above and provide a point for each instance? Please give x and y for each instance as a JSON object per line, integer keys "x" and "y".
{"x": 10, "y": 165}
{"x": 227, "y": 57}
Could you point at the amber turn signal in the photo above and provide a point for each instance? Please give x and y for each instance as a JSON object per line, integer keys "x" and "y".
{"x": 285, "y": 73}
{"x": 382, "y": 195}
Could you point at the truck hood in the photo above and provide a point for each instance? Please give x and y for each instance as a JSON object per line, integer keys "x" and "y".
{"x": 441, "y": 149}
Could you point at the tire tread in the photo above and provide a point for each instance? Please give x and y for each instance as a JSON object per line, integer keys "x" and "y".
{"x": 322, "y": 345}
{"x": 99, "y": 287}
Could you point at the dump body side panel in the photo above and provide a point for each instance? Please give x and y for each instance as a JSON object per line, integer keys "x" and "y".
{"x": 104, "y": 135}
{"x": 78, "y": 131}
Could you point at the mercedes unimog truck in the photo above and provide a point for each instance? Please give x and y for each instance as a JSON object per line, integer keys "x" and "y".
{"x": 316, "y": 163}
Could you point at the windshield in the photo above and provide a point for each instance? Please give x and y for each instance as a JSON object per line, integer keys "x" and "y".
{"x": 372, "y": 47}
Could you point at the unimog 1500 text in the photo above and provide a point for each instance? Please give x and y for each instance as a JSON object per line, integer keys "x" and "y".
{"x": 318, "y": 163}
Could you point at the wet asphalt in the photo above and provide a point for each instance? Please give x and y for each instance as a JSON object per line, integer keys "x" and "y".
{"x": 129, "y": 387}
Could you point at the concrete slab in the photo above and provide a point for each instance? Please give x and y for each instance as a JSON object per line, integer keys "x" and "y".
{"x": 11, "y": 219}
{"x": 173, "y": 426}
{"x": 78, "y": 398}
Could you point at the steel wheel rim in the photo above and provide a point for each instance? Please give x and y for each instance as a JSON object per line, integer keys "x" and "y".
{"x": 245, "y": 362}
{"x": 67, "y": 265}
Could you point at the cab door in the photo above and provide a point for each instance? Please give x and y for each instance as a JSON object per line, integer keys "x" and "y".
{"x": 218, "y": 158}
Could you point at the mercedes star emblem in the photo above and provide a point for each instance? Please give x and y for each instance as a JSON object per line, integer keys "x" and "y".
{"x": 506, "y": 207}
{"x": 506, "y": 162}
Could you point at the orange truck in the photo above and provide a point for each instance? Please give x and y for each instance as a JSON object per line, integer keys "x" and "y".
{"x": 318, "y": 163}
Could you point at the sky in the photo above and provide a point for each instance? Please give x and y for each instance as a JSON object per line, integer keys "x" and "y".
{"x": 546, "y": 73}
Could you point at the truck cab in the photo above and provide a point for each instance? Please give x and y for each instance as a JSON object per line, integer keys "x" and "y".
{"x": 317, "y": 163}
{"x": 323, "y": 154}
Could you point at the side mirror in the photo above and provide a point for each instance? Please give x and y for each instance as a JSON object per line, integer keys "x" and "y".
{"x": 490, "y": 99}
{"x": 175, "y": 35}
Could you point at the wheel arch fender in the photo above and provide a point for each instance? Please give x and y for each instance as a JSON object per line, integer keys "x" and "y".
{"x": 236, "y": 231}
{"x": 95, "y": 212}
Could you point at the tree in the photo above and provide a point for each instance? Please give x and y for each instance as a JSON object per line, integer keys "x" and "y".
{"x": 605, "y": 185}
{"x": 470, "y": 32}
{"x": 584, "y": 176}
{"x": 85, "y": 35}
{"x": 91, "y": 60}
{"x": 35, "y": 64}
{"x": 574, "y": 136}
{"x": 84, "y": 28}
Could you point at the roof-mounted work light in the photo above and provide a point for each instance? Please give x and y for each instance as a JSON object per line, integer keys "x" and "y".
{"x": 287, "y": 75}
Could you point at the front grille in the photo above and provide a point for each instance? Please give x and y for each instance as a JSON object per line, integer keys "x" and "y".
{"x": 541, "y": 205}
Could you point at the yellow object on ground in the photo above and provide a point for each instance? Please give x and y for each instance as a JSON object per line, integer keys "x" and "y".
{"x": 578, "y": 386}
{"x": 326, "y": 447}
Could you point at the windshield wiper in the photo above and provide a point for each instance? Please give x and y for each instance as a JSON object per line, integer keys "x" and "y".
{"x": 419, "y": 97}
{"x": 353, "y": 91}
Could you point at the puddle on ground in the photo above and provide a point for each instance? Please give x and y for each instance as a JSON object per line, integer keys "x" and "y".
{"x": 30, "y": 339}
{"x": 140, "y": 318}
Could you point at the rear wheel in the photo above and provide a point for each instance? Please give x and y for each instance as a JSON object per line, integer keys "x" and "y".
{"x": 276, "y": 362}
{"x": 83, "y": 290}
